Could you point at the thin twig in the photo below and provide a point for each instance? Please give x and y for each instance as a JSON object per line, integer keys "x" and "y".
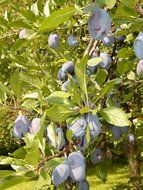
{"x": 90, "y": 45}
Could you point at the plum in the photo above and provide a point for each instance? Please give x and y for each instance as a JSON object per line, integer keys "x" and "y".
{"x": 21, "y": 126}
{"x": 83, "y": 185}
{"x": 68, "y": 67}
{"x": 60, "y": 173}
{"x": 108, "y": 40}
{"x": 61, "y": 75}
{"x": 116, "y": 132}
{"x": 99, "y": 24}
{"x": 53, "y": 41}
{"x": 120, "y": 38}
{"x": 82, "y": 144}
{"x": 78, "y": 127}
{"x": 131, "y": 138}
{"x": 140, "y": 68}
{"x": 96, "y": 156}
{"x": 66, "y": 84}
{"x": 123, "y": 129}
{"x": 94, "y": 124}
{"x": 72, "y": 41}
{"x": 106, "y": 61}
{"x": 22, "y": 34}
{"x": 35, "y": 126}
{"x": 77, "y": 166}
{"x": 138, "y": 46}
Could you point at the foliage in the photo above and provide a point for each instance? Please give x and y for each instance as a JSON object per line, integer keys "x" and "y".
{"x": 107, "y": 87}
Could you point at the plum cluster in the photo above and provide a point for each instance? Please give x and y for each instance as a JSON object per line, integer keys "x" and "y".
{"x": 22, "y": 126}
{"x": 53, "y": 41}
{"x": 73, "y": 168}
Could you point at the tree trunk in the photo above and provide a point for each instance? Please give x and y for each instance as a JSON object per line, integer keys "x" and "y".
{"x": 135, "y": 174}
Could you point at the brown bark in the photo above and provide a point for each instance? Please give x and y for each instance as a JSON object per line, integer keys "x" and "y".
{"x": 135, "y": 174}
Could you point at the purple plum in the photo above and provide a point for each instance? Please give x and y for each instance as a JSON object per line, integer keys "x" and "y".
{"x": 53, "y": 41}
{"x": 68, "y": 67}
{"x": 21, "y": 126}
{"x": 83, "y": 185}
{"x": 140, "y": 68}
{"x": 106, "y": 61}
{"x": 60, "y": 173}
{"x": 77, "y": 166}
{"x": 78, "y": 127}
{"x": 108, "y": 40}
{"x": 99, "y": 24}
{"x": 72, "y": 41}
{"x": 96, "y": 156}
{"x": 138, "y": 46}
{"x": 94, "y": 124}
{"x": 61, "y": 75}
{"x": 35, "y": 126}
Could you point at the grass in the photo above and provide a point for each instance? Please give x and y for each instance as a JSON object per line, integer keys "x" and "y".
{"x": 117, "y": 176}
{"x": 117, "y": 179}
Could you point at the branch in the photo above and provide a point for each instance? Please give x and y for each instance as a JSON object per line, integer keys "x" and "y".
{"x": 90, "y": 45}
{"x": 15, "y": 108}
{"x": 139, "y": 9}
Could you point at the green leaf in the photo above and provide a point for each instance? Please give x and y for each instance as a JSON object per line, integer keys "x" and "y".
{"x": 31, "y": 79}
{"x": 4, "y": 173}
{"x": 19, "y": 153}
{"x": 5, "y": 160}
{"x": 89, "y": 8}
{"x": 76, "y": 98}
{"x": 106, "y": 89}
{"x": 3, "y": 91}
{"x": 129, "y": 3}
{"x": 124, "y": 66}
{"x": 51, "y": 130}
{"x": 58, "y": 97}
{"x": 29, "y": 15}
{"x": 18, "y": 44}
{"x": 10, "y": 181}
{"x": 30, "y": 103}
{"x": 59, "y": 113}
{"x": 115, "y": 116}
{"x": 20, "y": 23}
{"x": 110, "y": 3}
{"x": 94, "y": 61}
{"x": 87, "y": 134}
{"x": 32, "y": 155}
{"x": 56, "y": 18}
{"x": 15, "y": 84}
{"x": 102, "y": 170}
{"x": 101, "y": 2}
{"x": 69, "y": 134}
{"x": 101, "y": 76}
{"x": 3, "y": 2}
{"x": 34, "y": 95}
{"x": 40, "y": 5}
{"x": 44, "y": 180}
{"x": 60, "y": 2}
{"x": 51, "y": 164}
{"x": 80, "y": 73}
{"x": 84, "y": 110}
